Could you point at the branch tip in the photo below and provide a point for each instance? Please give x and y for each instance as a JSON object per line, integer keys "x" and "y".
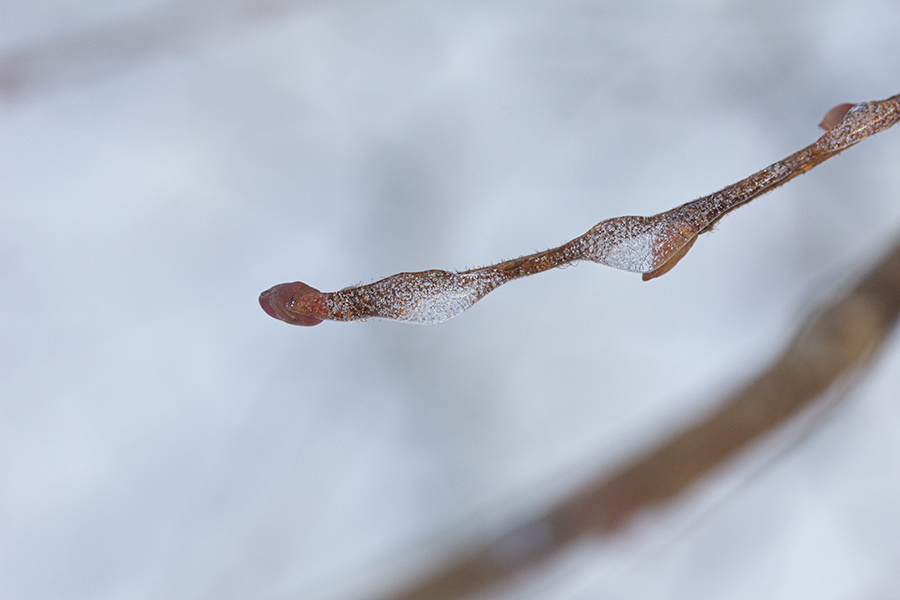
{"x": 294, "y": 303}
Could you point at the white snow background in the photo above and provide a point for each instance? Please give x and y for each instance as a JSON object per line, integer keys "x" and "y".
{"x": 161, "y": 437}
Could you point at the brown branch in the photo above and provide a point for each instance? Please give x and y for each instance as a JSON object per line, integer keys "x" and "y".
{"x": 648, "y": 245}
{"x": 837, "y": 341}
{"x": 98, "y": 51}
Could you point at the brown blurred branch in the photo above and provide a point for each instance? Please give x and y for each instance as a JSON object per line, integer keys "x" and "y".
{"x": 99, "y": 51}
{"x": 835, "y": 342}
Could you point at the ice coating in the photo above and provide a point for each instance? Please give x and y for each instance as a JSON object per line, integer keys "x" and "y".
{"x": 858, "y": 123}
{"x": 649, "y": 245}
{"x": 644, "y": 244}
{"x": 637, "y": 244}
{"x": 425, "y": 297}
{"x": 624, "y": 243}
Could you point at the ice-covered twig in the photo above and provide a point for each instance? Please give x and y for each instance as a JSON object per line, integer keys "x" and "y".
{"x": 648, "y": 245}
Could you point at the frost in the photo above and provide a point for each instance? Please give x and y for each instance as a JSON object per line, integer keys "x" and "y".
{"x": 625, "y": 243}
{"x": 638, "y": 244}
{"x": 861, "y": 121}
{"x": 426, "y": 297}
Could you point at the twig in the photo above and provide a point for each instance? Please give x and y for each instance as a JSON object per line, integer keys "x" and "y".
{"x": 648, "y": 245}
{"x": 836, "y": 341}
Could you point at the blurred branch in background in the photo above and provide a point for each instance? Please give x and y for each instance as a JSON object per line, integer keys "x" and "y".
{"x": 835, "y": 342}
{"x": 105, "y": 49}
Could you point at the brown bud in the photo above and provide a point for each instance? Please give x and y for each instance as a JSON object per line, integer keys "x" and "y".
{"x": 834, "y": 116}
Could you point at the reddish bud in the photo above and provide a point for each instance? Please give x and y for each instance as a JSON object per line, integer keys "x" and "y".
{"x": 834, "y": 116}
{"x": 295, "y": 303}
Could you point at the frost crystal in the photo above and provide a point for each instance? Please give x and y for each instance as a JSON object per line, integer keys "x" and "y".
{"x": 637, "y": 244}
{"x": 625, "y": 243}
{"x": 860, "y": 122}
{"x": 426, "y": 297}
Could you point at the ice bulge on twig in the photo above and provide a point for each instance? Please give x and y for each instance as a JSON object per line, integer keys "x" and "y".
{"x": 648, "y": 245}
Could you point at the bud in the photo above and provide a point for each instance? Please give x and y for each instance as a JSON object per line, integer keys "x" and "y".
{"x": 295, "y": 303}
{"x": 834, "y": 116}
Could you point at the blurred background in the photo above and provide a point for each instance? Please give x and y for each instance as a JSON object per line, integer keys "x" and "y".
{"x": 162, "y": 163}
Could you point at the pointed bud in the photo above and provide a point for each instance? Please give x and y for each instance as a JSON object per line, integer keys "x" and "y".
{"x": 834, "y": 116}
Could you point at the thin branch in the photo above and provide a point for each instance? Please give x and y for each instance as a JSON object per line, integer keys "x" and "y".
{"x": 836, "y": 341}
{"x": 648, "y": 245}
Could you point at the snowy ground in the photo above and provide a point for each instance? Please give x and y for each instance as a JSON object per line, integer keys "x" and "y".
{"x": 161, "y": 437}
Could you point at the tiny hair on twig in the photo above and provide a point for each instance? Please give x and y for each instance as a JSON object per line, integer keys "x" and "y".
{"x": 649, "y": 245}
